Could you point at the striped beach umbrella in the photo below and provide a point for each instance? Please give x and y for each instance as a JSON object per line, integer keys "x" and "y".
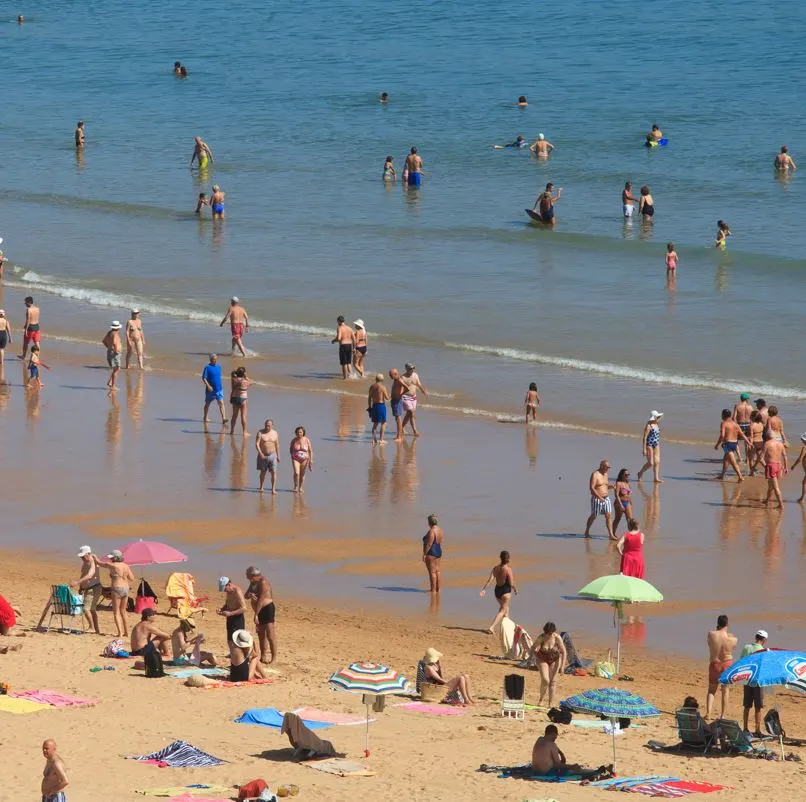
{"x": 371, "y": 679}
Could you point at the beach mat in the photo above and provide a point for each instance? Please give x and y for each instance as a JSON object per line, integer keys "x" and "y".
{"x": 432, "y": 710}
{"x": 53, "y": 698}
{"x": 228, "y": 684}
{"x": 192, "y": 798}
{"x": 656, "y": 786}
{"x": 528, "y": 773}
{"x": 191, "y": 672}
{"x": 187, "y": 791}
{"x": 20, "y": 707}
{"x": 338, "y": 719}
{"x": 180, "y": 754}
{"x": 271, "y": 717}
{"x": 340, "y": 766}
{"x": 592, "y": 724}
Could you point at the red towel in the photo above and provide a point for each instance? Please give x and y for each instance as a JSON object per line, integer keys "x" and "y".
{"x": 7, "y": 617}
{"x": 252, "y": 789}
{"x": 694, "y": 787}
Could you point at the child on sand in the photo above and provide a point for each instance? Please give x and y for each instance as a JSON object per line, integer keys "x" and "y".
{"x": 671, "y": 259}
{"x": 532, "y": 402}
{"x": 33, "y": 368}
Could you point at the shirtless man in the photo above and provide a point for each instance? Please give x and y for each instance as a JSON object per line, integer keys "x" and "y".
{"x": 411, "y": 384}
{"x": 761, "y": 406}
{"x": 414, "y": 168}
{"x": 655, "y": 134}
{"x": 776, "y": 465}
{"x": 783, "y": 161}
{"x": 79, "y": 134}
{"x": 30, "y": 329}
{"x": 601, "y": 504}
{"x": 217, "y": 202}
{"x": 238, "y": 323}
{"x": 775, "y": 426}
{"x": 729, "y": 434}
{"x": 720, "y": 657}
{"x": 548, "y": 758}
{"x": 201, "y": 153}
{"x": 546, "y": 202}
{"x": 88, "y": 584}
{"x": 396, "y": 402}
{"x": 144, "y": 633}
{"x": 541, "y": 147}
{"x": 801, "y": 460}
{"x": 741, "y": 414}
{"x": 113, "y": 346}
{"x": 345, "y": 337}
{"x": 259, "y": 593}
{"x": 54, "y": 778}
{"x": 234, "y": 607}
{"x": 267, "y": 445}
{"x": 135, "y": 339}
{"x": 628, "y": 200}
{"x": 377, "y": 397}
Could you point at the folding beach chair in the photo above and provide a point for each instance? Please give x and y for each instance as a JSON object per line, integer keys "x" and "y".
{"x": 692, "y": 732}
{"x": 181, "y": 592}
{"x": 512, "y": 704}
{"x": 733, "y": 739}
{"x": 64, "y": 604}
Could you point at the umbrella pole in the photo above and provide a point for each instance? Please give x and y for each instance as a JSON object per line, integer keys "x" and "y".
{"x": 366, "y": 736}
{"x": 618, "y": 641}
{"x": 613, "y": 728}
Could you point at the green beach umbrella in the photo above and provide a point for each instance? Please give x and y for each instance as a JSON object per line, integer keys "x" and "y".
{"x": 620, "y": 590}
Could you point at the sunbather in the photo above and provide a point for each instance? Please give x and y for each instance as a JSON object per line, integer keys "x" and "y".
{"x": 186, "y": 645}
{"x": 244, "y": 659}
{"x": 547, "y": 758}
{"x": 692, "y": 703}
{"x": 145, "y": 632}
{"x": 429, "y": 672}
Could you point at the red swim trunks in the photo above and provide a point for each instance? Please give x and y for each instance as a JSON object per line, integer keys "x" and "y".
{"x": 7, "y": 617}
{"x": 773, "y": 470}
{"x": 31, "y": 336}
{"x": 715, "y": 668}
{"x": 237, "y": 330}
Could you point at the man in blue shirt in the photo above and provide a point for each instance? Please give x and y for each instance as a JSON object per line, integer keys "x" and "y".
{"x": 213, "y": 388}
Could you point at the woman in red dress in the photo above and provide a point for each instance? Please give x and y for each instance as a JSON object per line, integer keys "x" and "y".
{"x": 631, "y": 547}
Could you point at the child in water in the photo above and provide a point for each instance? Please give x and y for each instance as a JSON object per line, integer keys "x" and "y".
{"x": 671, "y": 259}
{"x": 389, "y": 173}
{"x": 722, "y": 234}
{"x": 532, "y": 402}
{"x": 33, "y": 368}
{"x": 201, "y": 203}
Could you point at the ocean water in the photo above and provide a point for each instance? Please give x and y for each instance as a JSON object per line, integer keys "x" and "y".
{"x": 452, "y": 275}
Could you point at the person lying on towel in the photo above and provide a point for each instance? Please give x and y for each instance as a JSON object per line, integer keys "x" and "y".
{"x": 547, "y": 758}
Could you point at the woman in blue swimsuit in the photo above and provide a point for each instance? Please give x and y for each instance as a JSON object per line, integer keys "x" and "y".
{"x": 432, "y": 552}
{"x": 651, "y": 446}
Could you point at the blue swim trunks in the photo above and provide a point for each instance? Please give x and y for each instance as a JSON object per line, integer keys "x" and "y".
{"x": 378, "y": 413}
{"x": 218, "y": 208}
{"x": 397, "y": 408}
{"x": 216, "y": 395}
{"x": 415, "y": 179}
{"x": 730, "y": 448}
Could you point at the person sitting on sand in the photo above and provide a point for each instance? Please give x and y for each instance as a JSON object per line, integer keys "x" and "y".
{"x": 429, "y": 672}
{"x": 186, "y": 645}
{"x": 8, "y": 616}
{"x": 145, "y": 633}
{"x": 245, "y": 664}
{"x": 547, "y": 757}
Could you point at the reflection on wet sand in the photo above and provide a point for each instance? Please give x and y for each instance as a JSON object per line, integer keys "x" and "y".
{"x": 238, "y": 467}
{"x": 403, "y": 477}
{"x": 113, "y": 428}
{"x": 135, "y": 395}
{"x": 33, "y": 399}
{"x": 531, "y": 445}
{"x": 351, "y": 419}
{"x": 651, "y": 508}
{"x": 376, "y": 475}
{"x": 213, "y": 452}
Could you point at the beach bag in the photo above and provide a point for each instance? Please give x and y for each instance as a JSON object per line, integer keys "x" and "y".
{"x": 604, "y": 669}
{"x": 558, "y": 716}
{"x": 114, "y": 647}
{"x": 153, "y": 662}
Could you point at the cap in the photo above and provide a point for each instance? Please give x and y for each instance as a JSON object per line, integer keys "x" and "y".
{"x": 223, "y": 582}
{"x": 234, "y": 299}
{"x": 410, "y": 366}
{"x": 762, "y": 633}
{"x": 744, "y": 397}
{"x": 116, "y": 554}
{"x": 135, "y": 311}
{"x": 114, "y": 325}
{"x": 84, "y": 551}
{"x": 540, "y": 136}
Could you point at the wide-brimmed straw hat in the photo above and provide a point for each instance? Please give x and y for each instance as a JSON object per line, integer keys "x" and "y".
{"x": 431, "y": 656}
{"x": 242, "y": 639}
{"x": 655, "y": 415}
{"x": 115, "y": 325}
{"x": 359, "y": 323}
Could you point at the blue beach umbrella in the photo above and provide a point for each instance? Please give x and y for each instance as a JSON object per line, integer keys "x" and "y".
{"x": 613, "y": 703}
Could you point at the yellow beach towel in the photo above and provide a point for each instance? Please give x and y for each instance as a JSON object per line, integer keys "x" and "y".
{"x": 184, "y": 790}
{"x": 9, "y": 704}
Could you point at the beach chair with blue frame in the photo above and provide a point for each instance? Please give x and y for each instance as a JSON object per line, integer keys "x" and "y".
{"x": 692, "y": 731}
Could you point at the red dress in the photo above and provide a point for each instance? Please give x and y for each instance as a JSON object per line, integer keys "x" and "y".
{"x": 632, "y": 560}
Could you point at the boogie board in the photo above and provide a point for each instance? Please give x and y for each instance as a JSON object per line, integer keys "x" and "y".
{"x": 534, "y": 215}
{"x": 660, "y": 143}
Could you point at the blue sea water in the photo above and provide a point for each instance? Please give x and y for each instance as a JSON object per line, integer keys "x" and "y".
{"x": 286, "y": 96}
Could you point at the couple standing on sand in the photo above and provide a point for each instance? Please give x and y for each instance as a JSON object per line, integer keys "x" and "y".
{"x": 403, "y": 399}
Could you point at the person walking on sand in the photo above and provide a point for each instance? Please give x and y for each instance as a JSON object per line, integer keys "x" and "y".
{"x": 213, "y": 388}
{"x": 345, "y": 337}
{"x": 113, "y": 345}
{"x": 432, "y": 552}
{"x": 267, "y": 445}
{"x": 120, "y": 579}
{"x": 414, "y": 169}
{"x": 135, "y": 339}
{"x": 628, "y": 201}
{"x": 201, "y": 154}
{"x": 5, "y": 336}
{"x": 262, "y": 598}
{"x": 756, "y": 455}
{"x": 504, "y": 588}
{"x": 775, "y": 466}
{"x": 360, "y": 349}
{"x": 54, "y": 778}
{"x": 550, "y": 654}
{"x": 599, "y": 487}
{"x": 377, "y": 397}
{"x": 729, "y": 434}
{"x": 546, "y": 202}
{"x": 238, "y": 324}
{"x": 622, "y": 493}
{"x": 30, "y": 329}
{"x": 801, "y": 460}
{"x": 741, "y": 414}
{"x": 783, "y": 161}
{"x": 34, "y": 363}
{"x": 651, "y": 446}
{"x": 411, "y": 383}
{"x": 234, "y": 607}
{"x": 532, "y": 402}
{"x": 301, "y": 450}
{"x": 631, "y": 549}
{"x": 775, "y": 426}
{"x": 239, "y": 387}
{"x": 720, "y": 657}
{"x": 396, "y": 403}
{"x": 761, "y": 407}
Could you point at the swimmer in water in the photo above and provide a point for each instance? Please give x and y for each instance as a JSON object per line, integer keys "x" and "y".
{"x": 522, "y": 101}
{"x": 520, "y": 142}
{"x": 384, "y": 97}
{"x": 546, "y": 201}
{"x": 655, "y": 134}
{"x": 646, "y": 206}
{"x": 202, "y": 154}
{"x": 217, "y": 202}
{"x": 541, "y": 147}
{"x": 183, "y": 71}
{"x": 722, "y": 234}
{"x": 177, "y": 68}
{"x": 79, "y": 134}
{"x": 628, "y": 200}
{"x": 20, "y": 19}
{"x": 671, "y": 259}
{"x": 389, "y": 172}
{"x": 783, "y": 161}
{"x": 201, "y": 203}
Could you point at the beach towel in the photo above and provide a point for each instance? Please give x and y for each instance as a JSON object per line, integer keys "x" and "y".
{"x": 180, "y": 755}
{"x": 194, "y": 798}
{"x": 252, "y": 789}
{"x": 521, "y": 644}
{"x": 19, "y": 707}
{"x": 271, "y": 717}
{"x": 341, "y": 767}
{"x": 656, "y": 786}
{"x": 190, "y": 672}
{"x": 228, "y": 684}
{"x": 187, "y": 790}
{"x": 339, "y": 719}
{"x": 433, "y": 710}
{"x": 528, "y": 773}
{"x": 575, "y": 660}
{"x": 53, "y": 698}
{"x": 302, "y": 738}
{"x": 506, "y": 634}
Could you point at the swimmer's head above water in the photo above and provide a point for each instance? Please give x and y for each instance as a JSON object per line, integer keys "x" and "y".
{"x": 384, "y": 97}
{"x": 522, "y": 101}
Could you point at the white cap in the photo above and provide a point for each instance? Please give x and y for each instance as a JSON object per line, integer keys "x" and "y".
{"x": 540, "y": 136}
{"x": 115, "y": 325}
{"x": 135, "y": 311}
{"x": 223, "y": 582}
{"x": 234, "y": 299}
{"x": 762, "y": 633}
{"x": 84, "y": 551}
{"x": 655, "y": 415}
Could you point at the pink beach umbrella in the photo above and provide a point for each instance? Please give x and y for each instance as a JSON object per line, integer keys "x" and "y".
{"x": 150, "y": 552}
